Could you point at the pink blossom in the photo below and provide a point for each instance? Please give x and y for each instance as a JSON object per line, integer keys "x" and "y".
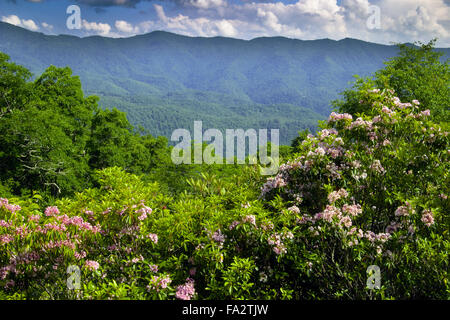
{"x": 352, "y": 210}
{"x": 294, "y": 209}
{"x": 371, "y": 236}
{"x": 5, "y": 224}
{"x": 425, "y": 112}
{"x": 402, "y": 211}
{"x": 92, "y": 265}
{"x": 218, "y": 236}
{"x": 153, "y": 237}
{"x": 427, "y": 218}
{"x": 186, "y": 291}
{"x": 89, "y": 212}
{"x": 346, "y": 221}
{"x": 383, "y": 237}
{"x": 249, "y": 219}
{"x": 153, "y": 268}
{"x": 3, "y": 201}
{"x": 51, "y": 211}
{"x": 339, "y": 116}
{"x": 377, "y": 167}
{"x": 143, "y": 216}
{"x": 158, "y": 283}
{"x": 328, "y": 213}
{"x": 80, "y": 255}
{"x": 233, "y": 225}
{"x": 336, "y": 195}
{"x": 12, "y": 208}
{"x": 5, "y": 238}
{"x": 35, "y": 217}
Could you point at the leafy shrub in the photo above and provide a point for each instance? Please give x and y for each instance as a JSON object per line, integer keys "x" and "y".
{"x": 366, "y": 191}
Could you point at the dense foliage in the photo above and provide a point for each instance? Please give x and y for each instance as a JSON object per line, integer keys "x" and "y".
{"x": 53, "y": 136}
{"x": 370, "y": 188}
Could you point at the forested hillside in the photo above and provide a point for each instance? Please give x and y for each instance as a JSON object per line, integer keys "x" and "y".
{"x": 93, "y": 208}
{"x": 165, "y": 81}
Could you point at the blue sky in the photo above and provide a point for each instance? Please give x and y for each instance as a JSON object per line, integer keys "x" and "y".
{"x": 381, "y": 21}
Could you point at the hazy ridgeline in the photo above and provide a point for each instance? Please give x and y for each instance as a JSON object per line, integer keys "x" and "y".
{"x": 165, "y": 81}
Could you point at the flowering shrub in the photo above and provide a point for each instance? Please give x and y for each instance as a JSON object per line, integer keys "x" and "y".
{"x": 368, "y": 189}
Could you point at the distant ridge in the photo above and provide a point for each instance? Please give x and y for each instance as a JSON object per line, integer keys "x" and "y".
{"x": 166, "y": 81}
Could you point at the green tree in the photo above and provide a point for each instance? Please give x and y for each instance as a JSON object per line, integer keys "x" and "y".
{"x": 114, "y": 142}
{"x": 44, "y": 141}
{"x": 416, "y": 73}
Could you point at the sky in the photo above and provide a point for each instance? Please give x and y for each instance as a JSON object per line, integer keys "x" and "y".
{"x": 380, "y": 21}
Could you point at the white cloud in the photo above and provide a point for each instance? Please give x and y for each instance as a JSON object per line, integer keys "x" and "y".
{"x": 126, "y": 27}
{"x": 15, "y": 20}
{"x": 200, "y": 26}
{"x": 102, "y": 29}
{"x": 207, "y": 4}
{"x": 12, "y": 19}
{"x": 400, "y": 20}
{"x": 47, "y": 26}
{"x": 30, "y": 24}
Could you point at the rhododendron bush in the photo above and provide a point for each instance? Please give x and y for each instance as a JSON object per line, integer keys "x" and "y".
{"x": 371, "y": 189}
{"x": 367, "y": 189}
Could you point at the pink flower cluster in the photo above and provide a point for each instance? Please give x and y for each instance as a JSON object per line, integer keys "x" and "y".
{"x": 273, "y": 183}
{"x": 233, "y": 225}
{"x": 218, "y": 237}
{"x": 336, "y": 195}
{"x": 58, "y": 244}
{"x": 10, "y": 207}
{"x": 92, "y": 265}
{"x": 186, "y": 291}
{"x": 75, "y": 221}
{"x": 80, "y": 255}
{"x": 404, "y": 210}
{"x": 427, "y": 218}
{"x": 275, "y": 240}
{"x": 153, "y": 268}
{"x": 144, "y": 211}
{"x": 352, "y": 210}
{"x": 250, "y": 219}
{"x": 399, "y": 104}
{"x": 377, "y": 167}
{"x": 339, "y": 116}
{"x": 51, "y": 211}
{"x": 326, "y": 133}
{"x": 153, "y": 237}
{"x": 6, "y": 238}
{"x": 158, "y": 283}
{"x": 328, "y": 214}
{"x": 34, "y": 217}
{"x": 367, "y": 124}
{"x": 294, "y": 209}
{"x": 5, "y": 224}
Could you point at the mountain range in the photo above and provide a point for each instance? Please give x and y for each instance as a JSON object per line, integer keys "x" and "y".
{"x": 165, "y": 81}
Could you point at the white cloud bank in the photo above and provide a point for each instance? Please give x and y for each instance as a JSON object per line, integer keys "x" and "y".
{"x": 15, "y": 20}
{"x": 400, "y": 20}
